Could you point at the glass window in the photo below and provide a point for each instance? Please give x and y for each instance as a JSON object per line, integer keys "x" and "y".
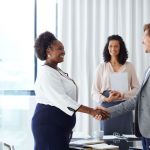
{"x": 17, "y": 66}
{"x": 46, "y": 19}
{"x": 16, "y": 46}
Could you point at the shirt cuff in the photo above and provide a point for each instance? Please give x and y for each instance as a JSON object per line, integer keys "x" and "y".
{"x": 74, "y": 108}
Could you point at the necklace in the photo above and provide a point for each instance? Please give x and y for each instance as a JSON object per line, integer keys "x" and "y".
{"x": 65, "y": 75}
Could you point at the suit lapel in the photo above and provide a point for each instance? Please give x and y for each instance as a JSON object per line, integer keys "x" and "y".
{"x": 145, "y": 79}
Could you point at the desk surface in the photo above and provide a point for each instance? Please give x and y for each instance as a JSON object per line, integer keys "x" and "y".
{"x": 124, "y": 144}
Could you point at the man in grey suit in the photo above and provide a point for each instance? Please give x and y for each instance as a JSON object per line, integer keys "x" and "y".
{"x": 141, "y": 102}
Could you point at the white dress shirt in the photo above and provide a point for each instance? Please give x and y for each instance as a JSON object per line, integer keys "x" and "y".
{"x": 53, "y": 87}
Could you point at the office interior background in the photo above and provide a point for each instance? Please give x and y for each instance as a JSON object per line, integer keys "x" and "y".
{"x": 83, "y": 26}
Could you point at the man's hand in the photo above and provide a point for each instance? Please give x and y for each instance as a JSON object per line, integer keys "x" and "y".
{"x": 97, "y": 113}
{"x": 101, "y": 113}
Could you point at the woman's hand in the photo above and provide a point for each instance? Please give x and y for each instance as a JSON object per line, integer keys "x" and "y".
{"x": 104, "y": 116}
{"x": 100, "y": 113}
{"x": 113, "y": 95}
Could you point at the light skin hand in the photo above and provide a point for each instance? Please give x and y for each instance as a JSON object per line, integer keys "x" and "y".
{"x": 102, "y": 117}
{"x": 120, "y": 96}
{"x": 101, "y": 113}
{"x": 114, "y": 95}
{"x": 98, "y": 117}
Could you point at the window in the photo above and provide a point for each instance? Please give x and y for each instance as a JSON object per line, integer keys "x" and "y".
{"x": 16, "y": 46}
{"x": 16, "y": 67}
{"x": 18, "y": 26}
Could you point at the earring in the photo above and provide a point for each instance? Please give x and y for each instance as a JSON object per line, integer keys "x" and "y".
{"x": 48, "y": 56}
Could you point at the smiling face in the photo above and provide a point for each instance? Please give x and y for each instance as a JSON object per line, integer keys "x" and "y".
{"x": 114, "y": 47}
{"x": 146, "y": 41}
{"x": 56, "y": 52}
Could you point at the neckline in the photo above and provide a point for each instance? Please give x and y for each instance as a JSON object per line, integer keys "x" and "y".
{"x": 120, "y": 69}
{"x": 50, "y": 66}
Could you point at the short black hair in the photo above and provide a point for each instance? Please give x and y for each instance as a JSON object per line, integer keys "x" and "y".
{"x": 42, "y": 43}
{"x": 123, "y": 54}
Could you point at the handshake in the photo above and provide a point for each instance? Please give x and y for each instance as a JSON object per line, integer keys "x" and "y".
{"x": 100, "y": 113}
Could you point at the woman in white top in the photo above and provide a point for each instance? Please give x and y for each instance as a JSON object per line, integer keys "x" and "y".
{"x": 56, "y": 96}
{"x": 115, "y": 55}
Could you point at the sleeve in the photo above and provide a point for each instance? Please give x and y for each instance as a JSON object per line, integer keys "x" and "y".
{"x": 123, "y": 107}
{"x": 134, "y": 83}
{"x": 54, "y": 91}
{"x": 97, "y": 85}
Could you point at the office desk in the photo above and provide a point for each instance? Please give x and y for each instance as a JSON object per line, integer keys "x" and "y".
{"x": 124, "y": 144}
{"x": 134, "y": 144}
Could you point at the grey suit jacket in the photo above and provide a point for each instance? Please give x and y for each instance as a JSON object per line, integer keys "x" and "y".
{"x": 141, "y": 104}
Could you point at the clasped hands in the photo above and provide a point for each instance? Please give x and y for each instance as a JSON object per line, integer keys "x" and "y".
{"x": 113, "y": 95}
{"x": 101, "y": 113}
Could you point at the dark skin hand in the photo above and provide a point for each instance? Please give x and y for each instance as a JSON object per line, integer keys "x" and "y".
{"x": 97, "y": 113}
{"x": 101, "y": 114}
{"x": 102, "y": 117}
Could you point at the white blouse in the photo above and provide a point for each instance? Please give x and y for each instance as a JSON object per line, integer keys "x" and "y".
{"x": 53, "y": 87}
{"x": 101, "y": 81}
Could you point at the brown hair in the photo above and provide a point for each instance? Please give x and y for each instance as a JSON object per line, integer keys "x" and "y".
{"x": 123, "y": 54}
{"x": 147, "y": 27}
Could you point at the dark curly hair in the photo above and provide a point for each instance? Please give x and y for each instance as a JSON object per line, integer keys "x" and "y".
{"x": 123, "y": 54}
{"x": 42, "y": 43}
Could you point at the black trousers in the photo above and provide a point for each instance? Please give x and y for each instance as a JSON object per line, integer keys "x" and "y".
{"x": 122, "y": 124}
{"x": 146, "y": 143}
{"x": 52, "y": 128}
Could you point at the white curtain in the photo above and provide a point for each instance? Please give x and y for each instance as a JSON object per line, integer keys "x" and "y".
{"x": 83, "y": 27}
